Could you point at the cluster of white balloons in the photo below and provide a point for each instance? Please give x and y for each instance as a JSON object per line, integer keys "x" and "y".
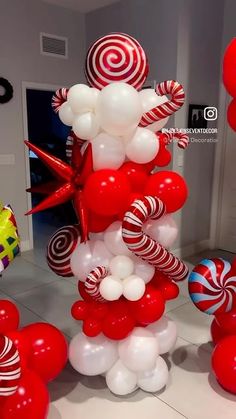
{"x": 101, "y": 249}
{"x": 134, "y": 362}
{"x": 109, "y": 120}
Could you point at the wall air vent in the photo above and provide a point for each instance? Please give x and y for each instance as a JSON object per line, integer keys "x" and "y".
{"x": 53, "y": 45}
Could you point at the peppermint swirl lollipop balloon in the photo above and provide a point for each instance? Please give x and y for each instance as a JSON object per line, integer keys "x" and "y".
{"x": 116, "y": 57}
{"x": 212, "y": 287}
{"x": 10, "y": 368}
{"x": 60, "y": 248}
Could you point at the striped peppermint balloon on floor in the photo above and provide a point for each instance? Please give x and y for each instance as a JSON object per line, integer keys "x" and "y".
{"x": 145, "y": 247}
{"x": 212, "y": 287}
{"x": 10, "y": 370}
{"x": 93, "y": 281}
{"x": 116, "y": 57}
{"x": 60, "y": 248}
{"x": 170, "y": 87}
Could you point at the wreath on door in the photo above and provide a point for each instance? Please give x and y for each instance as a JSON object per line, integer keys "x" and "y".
{"x": 8, "y": 90}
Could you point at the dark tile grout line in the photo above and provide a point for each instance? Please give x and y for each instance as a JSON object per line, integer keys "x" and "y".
{"x": 176, "y": 308}
{"x": 167, "y": 404}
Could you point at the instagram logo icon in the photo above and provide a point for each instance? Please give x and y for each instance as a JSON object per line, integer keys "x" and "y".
{"x": 210, "y": 113}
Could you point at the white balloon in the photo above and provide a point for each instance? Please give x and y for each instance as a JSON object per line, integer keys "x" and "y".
{"x": 114, "y": 241}
{"x": 119, "y": 108}
{"x": 143, "y": 269}
{"x": 95, "y": 92}
{"x": 108, "y": 152}
{"x": 86, "y": 126}
{"x": 155, "y": 379}
{"x": 149, "y": 100}
{"x": 88, "y": 256}
{"x": 120, "y": 380}
{"x": 133, "y": 287}
{"x": 65, "y": 114}
{"x": 143, "y": 146}
{"x": 139, "y": 350}
{"x": 121, "y": 266}
{"x": 165, "y": 331}
{"x": 111, "y": 288}
{"x": 164, "y": 230}
{"x": 92, "y": 356}
{"x": 80, "y": 98}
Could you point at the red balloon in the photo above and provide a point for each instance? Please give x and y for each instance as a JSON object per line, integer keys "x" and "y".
{"x": 132, "y": 197}
{"x": 149, "y": 308}
{"x": 106, "y": 192}
{"x": 163, "y": 158}
{"x": 227, "y": 322}
{"x": 9, "y": 317}
{"x": 233, "y": 266}
{"x": 224, "y": 363}
{"x": 119, "y": 322}
{"x": 49, "y": 350}
{"x": 217, "y": 332}
{"x": 92, "y": 327}
{"x": 98, "y": 223}
{"x": 136, "y": 175}
{"x": 169, "y": 288}
{"x": 229, "y": 68}
{"x": 80, "y": 310}
{"x": 31, "y": 400}
{"x": 23, "y": 346}
{"x": 170, "y": 187}
{"x": 231, "y": 114}
{"x": 98, "y": 310}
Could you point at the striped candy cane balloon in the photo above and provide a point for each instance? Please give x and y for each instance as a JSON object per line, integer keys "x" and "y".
{"x": 182, "y": 139}
{"x": 93, "y": 280}
{"x": 116, "y": 57}
{"x": 59, "y": 98}
{"x": 212, "y": 287}
{"x": 176, "y": 91}
{"x": 144, "y": 246}
{"x": 10, "y": 370}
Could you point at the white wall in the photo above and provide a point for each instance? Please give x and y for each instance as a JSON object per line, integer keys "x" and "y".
{"x": 21, "y": 21}
{"x": 182, "y": 39}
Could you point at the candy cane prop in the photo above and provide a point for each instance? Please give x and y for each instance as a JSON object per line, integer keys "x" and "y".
{"x": 10, "y": 370}
{"x": 93, "y": 280}
{"x": 145, "y": 247}
{"x": 59, "y": 98}
{"x": 183, "y": 139}
{"x": 170, "y": 87}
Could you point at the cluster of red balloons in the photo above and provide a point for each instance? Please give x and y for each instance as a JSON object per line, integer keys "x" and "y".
{"x": 229, "y": 79}
{"x": 223, "y": 331}
{"x": 108, "y": 192}
{"x": 116, "y": 319}
{"x": 43, "y": 354}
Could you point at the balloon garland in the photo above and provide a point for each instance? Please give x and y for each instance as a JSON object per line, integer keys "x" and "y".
{"x": 8, "y": 91}
{"x": 120, "y": 253}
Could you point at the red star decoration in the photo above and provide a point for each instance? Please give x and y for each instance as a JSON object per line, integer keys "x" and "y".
{"x": 69, "y": 184}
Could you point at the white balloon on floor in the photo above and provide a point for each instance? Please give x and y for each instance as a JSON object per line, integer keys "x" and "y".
{"x": 92, "y": 356}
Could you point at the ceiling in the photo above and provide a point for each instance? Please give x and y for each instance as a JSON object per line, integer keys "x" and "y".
{"x": 83, "y": 6}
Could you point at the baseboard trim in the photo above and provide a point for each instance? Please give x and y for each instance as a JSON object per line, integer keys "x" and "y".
{"x": 25, "y": 245}
{"x": 191, "y": 249}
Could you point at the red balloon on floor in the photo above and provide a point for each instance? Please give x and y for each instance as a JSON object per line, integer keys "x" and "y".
{"x": 23, "y": 346}
{"x": 31, "y": 400}
{"x": 49, "y": 350}
{"x": 229, "y": 68}
{"x": 224, "y": 363}
{"x": 170, "y": 187}
{"x": 9, "y": 316}
{"x": 217, "y": 332}
{"x": 231, "y": 114}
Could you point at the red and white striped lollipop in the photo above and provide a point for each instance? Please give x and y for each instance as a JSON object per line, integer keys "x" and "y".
{"x": 144, "y": 246}
{"x": 60, "y": 248}
{"x": 170, "y": 87}
{"x": 116, "y": 57}
{"x": 59, "y": 98}
{"x": 93, "y": 281}
{"x": 212, "y": 286}
{"x": 10, "y": 370}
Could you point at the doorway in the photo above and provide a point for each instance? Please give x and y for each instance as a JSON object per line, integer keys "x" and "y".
{"x": 43, "y": 128}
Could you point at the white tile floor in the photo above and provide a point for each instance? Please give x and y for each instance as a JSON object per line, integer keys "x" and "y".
{"x": 192, "y": 391}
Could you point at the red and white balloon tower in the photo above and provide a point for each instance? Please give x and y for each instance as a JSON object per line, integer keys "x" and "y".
{"x": 119, "y": 249}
